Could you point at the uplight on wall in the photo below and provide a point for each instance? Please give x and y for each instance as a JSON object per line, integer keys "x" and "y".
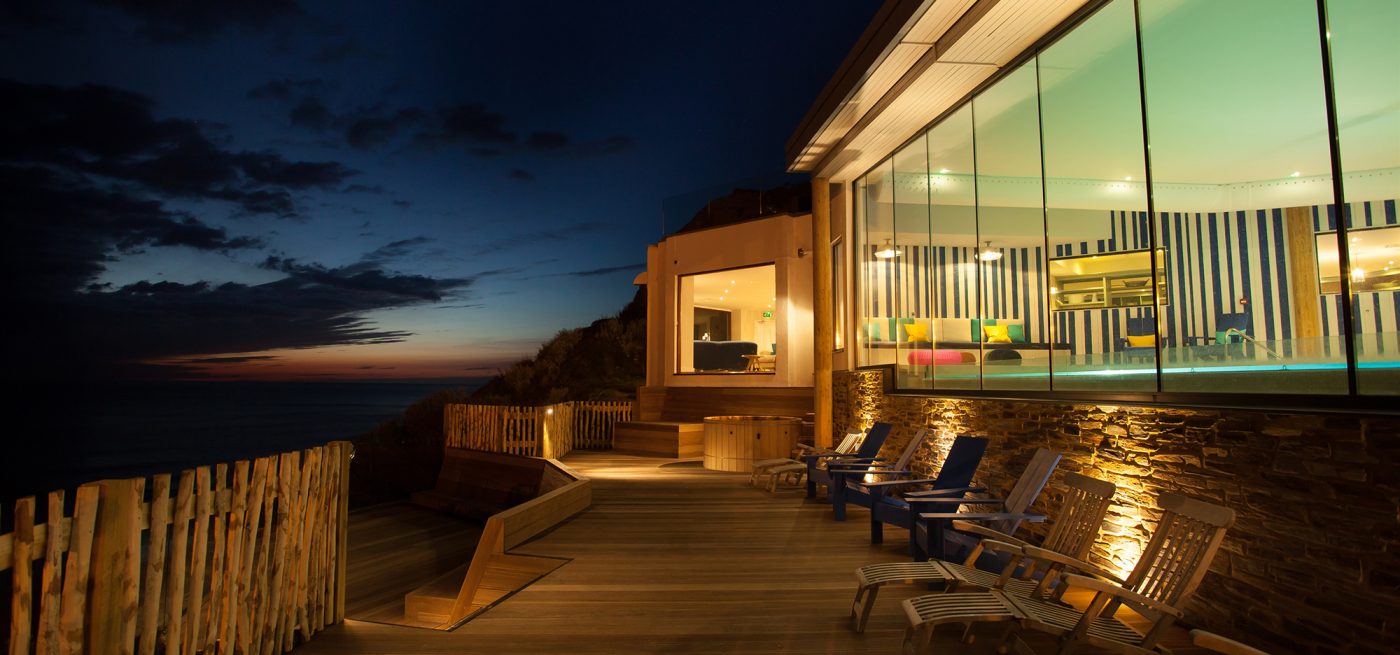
{"x": 887, "y": 251}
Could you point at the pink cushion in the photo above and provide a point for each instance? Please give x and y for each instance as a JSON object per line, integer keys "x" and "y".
{"x": 925, "y": 357}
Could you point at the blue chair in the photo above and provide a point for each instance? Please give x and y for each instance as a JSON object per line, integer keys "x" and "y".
{"x": 952, "y": 481}
{"x": 846, "y": 477}
{"x": 930, "y": 537}
{"x": 868, "y": 452}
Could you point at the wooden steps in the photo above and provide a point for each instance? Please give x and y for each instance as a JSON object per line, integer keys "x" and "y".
{"x": 674, "y": 439}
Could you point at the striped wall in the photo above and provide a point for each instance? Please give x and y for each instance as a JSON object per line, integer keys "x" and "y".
{"x": 1214, "y": 259}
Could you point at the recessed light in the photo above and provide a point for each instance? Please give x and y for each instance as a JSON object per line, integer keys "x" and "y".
{"x": 1294, "y": 174}
{"x": 1128, "y": 179}
{"x": 942, "y": 171}
{"x": 1355, "y": 239}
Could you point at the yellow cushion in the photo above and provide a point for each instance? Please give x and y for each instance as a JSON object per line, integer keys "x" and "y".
{"x": 916, "y": 331}
{"x": 996, "y": 334}
{"x": 1145, "y": 341}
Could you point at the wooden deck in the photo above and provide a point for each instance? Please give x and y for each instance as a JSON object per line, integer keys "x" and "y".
{"x": 670, "y": 559}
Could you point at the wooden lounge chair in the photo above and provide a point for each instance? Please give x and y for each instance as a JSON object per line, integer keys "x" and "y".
{"x": 816, "y": 463}
{"x": 1073, "y": 532}
{"x": 952, "y": 481}
{"x": 929, "y": 535}
{"x": 847, "y": 477}
{"x": 1171, "y": 566}
{"x": 763, "y": 468}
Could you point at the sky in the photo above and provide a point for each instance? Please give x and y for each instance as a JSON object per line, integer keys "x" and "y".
{"x": 285, "y": 190}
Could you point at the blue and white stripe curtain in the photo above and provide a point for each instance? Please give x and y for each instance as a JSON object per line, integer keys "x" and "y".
{"x": 1214, "y": 259}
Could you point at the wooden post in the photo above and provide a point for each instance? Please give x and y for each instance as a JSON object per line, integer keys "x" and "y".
{"x": 822, "y": 316}
{"x": 1302, "y": 272}
{"x": 111, "y": 625}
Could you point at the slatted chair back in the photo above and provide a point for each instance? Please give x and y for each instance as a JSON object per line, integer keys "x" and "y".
{"x": 1077, "y": 524}
{"x": 1181, "y": 549}
{"x": 874, "y": 439}
{"x": 961, "y": 463}
{"x": 850, "y": 443}
{"x": 1027, "y": 488}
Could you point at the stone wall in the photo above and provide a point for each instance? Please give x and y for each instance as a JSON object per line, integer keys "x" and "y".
{"x": 1312, "y": 564}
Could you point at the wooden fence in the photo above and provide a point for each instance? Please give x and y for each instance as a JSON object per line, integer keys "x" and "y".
{"x": 228, "y": 564}
{"x": 547, "y": 431}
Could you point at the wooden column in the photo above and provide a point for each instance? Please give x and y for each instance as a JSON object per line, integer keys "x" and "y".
{"x": 1302, "y": 272}
{"x": 823, "y": 338}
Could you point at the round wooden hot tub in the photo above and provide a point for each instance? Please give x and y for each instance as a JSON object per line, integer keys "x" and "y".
{"x": 732, "y": 443}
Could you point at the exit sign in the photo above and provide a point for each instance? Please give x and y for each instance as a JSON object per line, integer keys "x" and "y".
{"x": 767, "y": 314}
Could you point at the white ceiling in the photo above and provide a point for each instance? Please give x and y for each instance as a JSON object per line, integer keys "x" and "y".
{"x": 746, "y": 288}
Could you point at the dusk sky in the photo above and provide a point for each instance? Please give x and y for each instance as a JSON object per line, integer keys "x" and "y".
{"x": 409, "y": 190}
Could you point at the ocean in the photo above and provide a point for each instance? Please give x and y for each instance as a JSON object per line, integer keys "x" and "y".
{"x": 77, "y": 434}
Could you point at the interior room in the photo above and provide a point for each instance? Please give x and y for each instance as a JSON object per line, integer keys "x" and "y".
{"x": 728, "y": 321}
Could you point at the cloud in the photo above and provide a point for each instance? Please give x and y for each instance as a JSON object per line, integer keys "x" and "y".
{"x": 183, "y": 22}
{"x": 595, "y": 272}
{"x": 364, "y": 188}
{"x": 403, "y": 204}
{"x": 311, "y": 114}
{"x": 112, "y": 133}
{"x": 521, "y": 175}
{"x": 335, "y": 53}
{"x": 286, "y": 89}
{"x": 235, "y": 359}
{"x": 469, "y": 124}
{"x": 395, "y": 250}
{"x": 372, "y": 127}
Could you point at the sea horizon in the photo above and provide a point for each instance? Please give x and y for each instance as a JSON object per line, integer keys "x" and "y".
{"x": 119, "y": 429}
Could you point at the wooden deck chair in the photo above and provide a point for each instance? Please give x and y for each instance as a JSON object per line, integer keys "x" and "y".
{"x": 814, "y": 465}
{"x": 869, "y": 451}
{"x": 1171, "y": 567}
{"x": 952, "y": 481}
{"x": 847, "y": 477}
{"x": 929, "y": 535}
{"x": 1073, "y": 532}
{"x": 763, "y": 467}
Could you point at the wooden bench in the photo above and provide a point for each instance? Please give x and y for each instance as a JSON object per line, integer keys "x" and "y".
{"x": 675, "y": 439}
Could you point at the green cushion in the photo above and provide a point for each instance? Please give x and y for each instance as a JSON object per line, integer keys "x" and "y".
{"x": 1016, "y": 332}
{"x": 872, "y": 331}
{"x": 977, "y": 323}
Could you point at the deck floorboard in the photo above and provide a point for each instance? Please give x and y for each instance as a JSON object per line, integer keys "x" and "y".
{"x": 669, "y": 559}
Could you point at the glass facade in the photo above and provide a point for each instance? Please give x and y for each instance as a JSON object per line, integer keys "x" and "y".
{"x": 1150, "y": 204}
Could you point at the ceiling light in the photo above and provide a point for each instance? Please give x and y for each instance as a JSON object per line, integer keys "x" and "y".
{"x": 1295, "y": 174}
{"x": 942, "y": 171}
{"x": 1128, "y": 179}
{"x": 989, "y": 255}
{"x": 1358, "y": 275}
{"x": 1355, "y": 239}
{"x": 887, "y": 252}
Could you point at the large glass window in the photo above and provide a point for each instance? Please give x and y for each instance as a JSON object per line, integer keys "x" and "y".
{"x": 1010, "y": 326}
{"x": 728, "y": 321}
{"x": 1046, "y": 245}
{"x": 1240, "y": 163}
{"x": 1096, "y": 211}
{"x": 1366, "y": 74}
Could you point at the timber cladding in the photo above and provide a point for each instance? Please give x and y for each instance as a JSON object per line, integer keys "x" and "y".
{"x": 248, "y": 557}
{"x": 1309, "y": 566}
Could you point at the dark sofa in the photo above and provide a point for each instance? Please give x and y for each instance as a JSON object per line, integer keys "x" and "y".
{"x": 723, "y": 355}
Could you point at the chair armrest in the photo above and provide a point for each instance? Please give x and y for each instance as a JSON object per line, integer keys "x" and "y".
{"x": 889, "y": 472}
{"x": 1129, "y": 597}
{"x": 980, "y": 516}
{"x": 896, "y": 483}
{"x": 986, "y": 533}
{"x": 1036, "y": 552}
{"x": 1013, "y": 546}
{"x": 1219, "y": 644}
{"x": 949, "y": 491}
{"x": 924, "y": 500}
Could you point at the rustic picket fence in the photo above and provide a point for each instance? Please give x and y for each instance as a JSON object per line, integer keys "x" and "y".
{"x": 239, "y": 563}
{"x": 544, "y": 431}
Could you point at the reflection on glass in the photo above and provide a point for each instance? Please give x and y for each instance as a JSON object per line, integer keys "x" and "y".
{"x": 838, "y": 293}
{"x": 952, "y": 362}
{"x": 1096, "y": 204}
{"x": 1010, "y": 325}
{"x": 1241, "y": 171}
{"x": 1365, "y": 58}
{"x": 911, "y": 323}
{"x": 728, "y": 321}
